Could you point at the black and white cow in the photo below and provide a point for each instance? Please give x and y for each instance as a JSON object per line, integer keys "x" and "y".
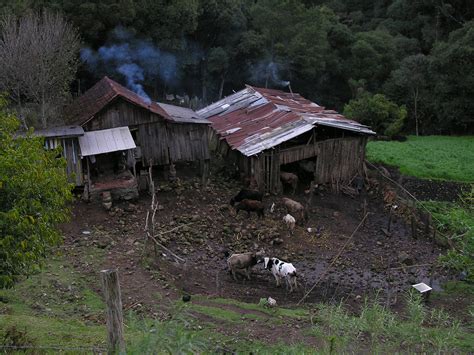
{"x": 281, "y": 269}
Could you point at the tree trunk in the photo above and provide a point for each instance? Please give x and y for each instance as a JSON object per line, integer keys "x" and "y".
{"x": 415, "y": 96}
{"x": 43, "y": 109}
{"x": 221, "y": 86}
{"x": 20, "y": 109}
{"x": 203, "y": 82}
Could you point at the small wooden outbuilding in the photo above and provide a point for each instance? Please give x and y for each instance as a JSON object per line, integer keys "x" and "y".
{"x": 265, "y": 131}
{"x": 82, "y": 150}
{"x": 67, "y": 138}
{"x": 164, "y": 134}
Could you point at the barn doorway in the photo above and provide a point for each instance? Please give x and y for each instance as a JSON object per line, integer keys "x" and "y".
{"x": 304, "y": 169}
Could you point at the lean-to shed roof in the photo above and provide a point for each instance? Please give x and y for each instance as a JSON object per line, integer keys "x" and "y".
{"x": 255, "y": 119}
{"x": 58, "y": 132}
{"x": 106, "y": 141}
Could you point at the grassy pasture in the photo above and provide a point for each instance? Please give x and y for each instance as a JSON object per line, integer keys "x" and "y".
{"x": 428, "y": 157}
{"x": 45, "y": 311}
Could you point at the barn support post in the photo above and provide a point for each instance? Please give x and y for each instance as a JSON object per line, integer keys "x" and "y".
{"x": 111, "y": 288}
{"x": 277, "y": 187}
{"x": 87, "y": 191}
{"x": 311, "y": 193}
{"x": 204, "y": 171}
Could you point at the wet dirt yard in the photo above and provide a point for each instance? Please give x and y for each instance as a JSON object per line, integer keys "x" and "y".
{"x": 199, "y": 225}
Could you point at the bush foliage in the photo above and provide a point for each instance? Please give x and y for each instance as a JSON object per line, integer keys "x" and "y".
{"x": 457, "y": 220}
{"x": 33, "y": 194}
{"x": 384, "y": 116}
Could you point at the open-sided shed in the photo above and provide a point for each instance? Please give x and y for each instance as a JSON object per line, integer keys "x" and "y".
{"x": 264, "y": 131}
{"x": 163, "y": 134}
{"x": 67, "y": 138}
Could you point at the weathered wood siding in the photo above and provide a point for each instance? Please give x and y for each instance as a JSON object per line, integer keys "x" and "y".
{"x": 153, "y": 141}
{"x": 339, "y": 159}
{"x": 71, "y": 153}
{"x": 297, "y": 153}
{"x": 160, "y": 141}
{"x": 188, "y": 142}
{"x": 120, "y": 113}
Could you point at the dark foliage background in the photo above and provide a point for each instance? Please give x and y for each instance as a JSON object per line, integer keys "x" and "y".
{"x": 418, "y": 54}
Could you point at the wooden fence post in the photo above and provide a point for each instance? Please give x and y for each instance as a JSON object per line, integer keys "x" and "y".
{"x": 111, "y": 289}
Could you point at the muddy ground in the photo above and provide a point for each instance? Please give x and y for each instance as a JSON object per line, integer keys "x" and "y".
{"x": 198, "y": 225}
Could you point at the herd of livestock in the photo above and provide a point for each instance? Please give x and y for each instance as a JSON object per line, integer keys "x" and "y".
{"x": 241, "y": 263}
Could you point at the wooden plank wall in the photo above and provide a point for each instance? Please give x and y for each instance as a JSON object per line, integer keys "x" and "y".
{"x": 188, "y": 142}
{"x": 121, "y": 113}
{"x": 153, "y": 141}
{"x": 339, "y": 159}
{"x": 158, "y": 139}
{"x": 297, "y": 153}
{"x": 70, "y": 152}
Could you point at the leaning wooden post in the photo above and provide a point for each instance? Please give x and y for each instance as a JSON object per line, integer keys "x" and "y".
{"x": 111, "y": 289}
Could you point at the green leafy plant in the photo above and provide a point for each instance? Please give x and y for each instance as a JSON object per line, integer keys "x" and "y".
{"x": 15, "y": 337}
{"x": 383, "y": 115}
{"x": 33, "y": 195}
{"x": 457, "y": 221}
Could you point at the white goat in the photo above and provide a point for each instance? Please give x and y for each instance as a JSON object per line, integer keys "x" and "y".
{"x": 290, "y": 222}
{"x": 281, "y": 269}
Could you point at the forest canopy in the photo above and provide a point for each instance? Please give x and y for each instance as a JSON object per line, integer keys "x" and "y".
{"x": 417, "y": 54}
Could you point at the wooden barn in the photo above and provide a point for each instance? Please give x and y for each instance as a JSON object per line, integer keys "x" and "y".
{"x": 164, "y": 134}
{"x": 264, "y": 132}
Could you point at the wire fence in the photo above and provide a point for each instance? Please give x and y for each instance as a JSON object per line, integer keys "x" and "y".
{"x": 411, "y": 208}
{"x": 57, "y": 348}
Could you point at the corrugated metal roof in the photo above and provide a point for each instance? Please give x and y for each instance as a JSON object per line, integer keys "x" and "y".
{"x": 60, "y": 132}
{"x": 182, "y": 114}
{"x": 106, "y": 141}
{"x": 255, "y": 119}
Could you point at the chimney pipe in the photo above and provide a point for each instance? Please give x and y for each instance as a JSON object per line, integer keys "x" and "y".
{"x": 291, "y": 91}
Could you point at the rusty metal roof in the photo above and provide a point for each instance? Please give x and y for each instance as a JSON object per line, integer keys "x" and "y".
{"x": 106, "y": 141}
{"x": 86, "y": 106}
{"x": 255, "y": 119}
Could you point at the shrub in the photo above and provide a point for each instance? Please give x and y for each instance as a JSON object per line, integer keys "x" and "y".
{"x": 383, "y": 115}
{"x": 33, "y": 194}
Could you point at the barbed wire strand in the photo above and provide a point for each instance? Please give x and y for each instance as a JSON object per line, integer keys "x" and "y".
{"x": 53, "y": 347}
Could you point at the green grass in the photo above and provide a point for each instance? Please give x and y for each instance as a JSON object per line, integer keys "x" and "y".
{"x": 456, "y": 220}
{"x": 57, "y": 308}
{"x": 297, "y": 313}
{"x": 429, "y": 157}
{"x": 221, "y": 314}
{"x": 378, "y": 330}
{"x": 54, "y": 307}
{"x": 375, "y": 330}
